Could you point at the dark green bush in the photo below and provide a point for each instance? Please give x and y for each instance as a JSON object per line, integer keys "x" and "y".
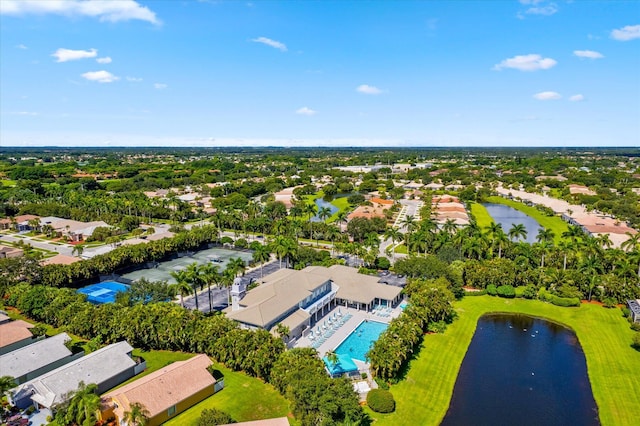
{"x": 437, "y": 327}
{"x": 381, "y": 401}
{"x": 492, "y": 290}
{"x": 530, "y": 292}
{"x": 558, "y": 301}
{"x": 382, "y": 384}
{"x": 383, "y": 263}
{"x": 506, "y": 291}
{"x": 636, "y": 341}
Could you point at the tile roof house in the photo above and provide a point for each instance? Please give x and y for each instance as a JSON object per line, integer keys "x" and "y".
{"x": 107, "y": 367}
{"x": 31, "y": 361}
{"x": 14, "y": 335}
{"x": 164, "y": 393}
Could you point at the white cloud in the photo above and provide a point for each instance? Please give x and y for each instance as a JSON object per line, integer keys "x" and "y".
{"x": 273, "y": 43}
{"x": 160, "y": 86}
{"x": 547, "y": 96}
{"x": 590, "y": 54}
{"x": 100, "y": 76}
{"x": 105, "y": 11}
{"x": 306, "y": 111}
{"x": 25, "y": 113}
{"x": 64, "y": 55}
{"x": 627, "y": 33}
{"x": 368, "y": 90}
{"x": 576, "y": 98}
{"x": 546, "y": 10}
{"x": 21, "y": 46}
{"x": 105, "y": 60}
{"x": 133, "y": 79}
{"x": 531, "y": 62}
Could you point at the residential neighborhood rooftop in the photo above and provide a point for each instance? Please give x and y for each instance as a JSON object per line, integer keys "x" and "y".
{"x": 39, "y": 354}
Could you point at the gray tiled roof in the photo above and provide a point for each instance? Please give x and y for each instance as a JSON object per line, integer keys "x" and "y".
{"x": 34, "y": 356}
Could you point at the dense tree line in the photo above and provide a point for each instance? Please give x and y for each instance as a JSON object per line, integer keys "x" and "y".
{"x": 298, "y": 374}
{"x": 429, "y": 302}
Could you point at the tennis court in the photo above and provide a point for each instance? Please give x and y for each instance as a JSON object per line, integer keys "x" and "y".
{"x": 162, "y": 272}
{"x": 104, "y": 292}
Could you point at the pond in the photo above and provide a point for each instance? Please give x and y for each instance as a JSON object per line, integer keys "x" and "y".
{"x": 521, "y": 370}
{"x": 508, "y": 216}
{"x": 326, "y": 202}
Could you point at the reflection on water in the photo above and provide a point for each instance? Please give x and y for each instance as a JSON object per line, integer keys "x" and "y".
{"x": 521, "y": 370}
{"x": 508, "y": 216}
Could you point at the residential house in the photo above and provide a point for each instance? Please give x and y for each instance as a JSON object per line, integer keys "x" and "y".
{"x": 164, "y": 393}
{"x": 106, "y": 367}
{"x": 14, "y": 335}
{"x": 7, "y": 252}
{"x": 29, "y": 362}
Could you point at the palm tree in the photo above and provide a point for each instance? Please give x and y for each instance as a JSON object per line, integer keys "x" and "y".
{"x": 138, "y": 415}
{"x": 449, "y": 226}
{"x": 500, "y": 238}
{"x": 372, "y": 240}
{"x": 310, "y": 209}
{"x": 574, "y": 233}
{"x": 195, "y": 279}
{"x": 78, "y": 249}
{"x": 395, "y": 236}
{"x": 83, "y": 408}
{"x": 210, "y": 273}
{"x": 332, "y": 233}
{"x": 261, "y": 254}
{"x": 181, "y": 286}
{"x": 332, "y": 357}
{"x": 545, "y": 234}
{"x": 6, "y": 383}
{"x": 633, "y": 242}
{"x": 517, "y": 231}
{"x": 591, "y": 267}
{"x": 324, "y": 213}
{"x": 341, "y": 217}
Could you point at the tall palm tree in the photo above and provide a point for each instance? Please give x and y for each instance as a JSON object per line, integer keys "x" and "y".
{"x": 210, "y": 274}
{"x": 138, "y": 415}
{"x": 195, "y": 279}
{"x": 633, "y": 242}
{"x": 310, "y": 210}
{"x": 591, "y": 267}
{"x": 449, "y": 226}
{"x": 324, "y": 213}
{"x": 500, "y": 239}
{"x": 395, "y": 236}
{"x": 545, "y": 234}
{"x": 517, "y": 231}
{"x": 181, "y": 286}
{"x": 261, "y": 254}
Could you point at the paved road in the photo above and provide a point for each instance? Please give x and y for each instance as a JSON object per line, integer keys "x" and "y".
{"x": 62, "y": 249}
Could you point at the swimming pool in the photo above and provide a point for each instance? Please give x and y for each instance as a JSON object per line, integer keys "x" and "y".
{"x": 104, "y": 292}
{"x": 403, "y": 305}
{"x": 358, "y": 343}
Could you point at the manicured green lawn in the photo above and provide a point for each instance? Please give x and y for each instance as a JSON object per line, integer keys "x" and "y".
{"x": 614, "y": 367}
{"x": 555, "y": 223}
{"x": 482, "y": 216}
{"x": 341, "y": 203}
{"x": 244, "y": 398}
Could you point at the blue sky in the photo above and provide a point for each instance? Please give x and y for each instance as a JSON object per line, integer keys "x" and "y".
{"x": 346, "y": 73}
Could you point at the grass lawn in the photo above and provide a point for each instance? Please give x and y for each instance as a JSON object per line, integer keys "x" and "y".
{"x": 400, "y": 248}
{"x": 614, "y": 367}
{"x": 482, "y": 216}
{"x": 341, "y": 203}
{"x": 555, "y": 223}
{"x": 244, "y": 398}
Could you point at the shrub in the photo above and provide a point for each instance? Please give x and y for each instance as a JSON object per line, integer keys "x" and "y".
{"x": 213, "y": 416}
{"x": 383, "y": 263}
{"x": 437, "y": 327}
{"x": 475, "y": 293}
{"x": 381, "y": 401}
{"x": 241, "y": 243}
{"x": 506, "y": 291}
{"x": 529, "y": 292}
{"x": 636, "y": 341}
{"x": 558, "y": 301}
{"x": 492, "y": 290}
{"x": 609, "y": 302}
{"x": 635, "y": 326}
{"x": 382, "y": 384}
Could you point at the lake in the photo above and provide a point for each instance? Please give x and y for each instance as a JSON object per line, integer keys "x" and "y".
{"x": 508, "y": 216}
{"x": 521, "y": 370}
{"x": 326, "y": 202}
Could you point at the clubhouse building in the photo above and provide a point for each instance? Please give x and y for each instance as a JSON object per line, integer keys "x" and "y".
{"x": 300, "y": 299}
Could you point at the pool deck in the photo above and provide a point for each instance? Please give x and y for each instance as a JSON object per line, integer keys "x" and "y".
{"x": 344, "y": 330}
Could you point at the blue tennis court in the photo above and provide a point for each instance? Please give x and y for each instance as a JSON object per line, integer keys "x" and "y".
{"x": 104, "y": 292}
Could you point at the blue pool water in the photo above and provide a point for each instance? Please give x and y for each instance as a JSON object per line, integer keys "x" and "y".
{"x": 403, "y": 305}
{"x": 104, "y": 292}
{"x": 358, "y": 343}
